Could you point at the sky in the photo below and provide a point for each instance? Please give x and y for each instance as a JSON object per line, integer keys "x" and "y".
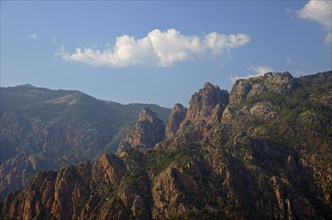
{"x": 159, "y": 52}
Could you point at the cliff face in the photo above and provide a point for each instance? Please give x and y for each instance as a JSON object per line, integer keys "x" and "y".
{"x": 176, "y": 117}
{"x": 265, "y": 156}
{"x": 204, "y": 101}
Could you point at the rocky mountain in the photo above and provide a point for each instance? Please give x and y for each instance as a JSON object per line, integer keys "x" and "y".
{"x": 50, "y": 129}
{"x": 263, "y": 151}
{"x": 148, "y": 131}
{"x": 176, "y": 117}
{"x": 204, "y": 101}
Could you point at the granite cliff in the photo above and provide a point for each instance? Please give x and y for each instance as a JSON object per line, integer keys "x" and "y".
{"x": 263, "y": 151}
{"x": 176, "y": 117}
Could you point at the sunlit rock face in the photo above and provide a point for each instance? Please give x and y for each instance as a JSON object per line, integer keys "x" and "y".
{"x": 264, "y": 156}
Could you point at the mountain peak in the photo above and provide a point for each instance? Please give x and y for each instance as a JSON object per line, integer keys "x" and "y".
{"x": 177, "y": 115}
{"x": 208, "y": 85}
{"x": 148, "y": 130}
{"x": 281, "y": 83}
{"x": 146, "y": 114}
{"x": 146, "y": 110}
{"x": 203, "y": 101}
{"x": 28, "y": 86}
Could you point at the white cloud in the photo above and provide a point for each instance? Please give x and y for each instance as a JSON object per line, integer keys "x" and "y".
{"x": 321, "y": 12}
{"x": 159, "y": 48}
{"x": 34, "y": 36}
{"x": 256, "y": 71}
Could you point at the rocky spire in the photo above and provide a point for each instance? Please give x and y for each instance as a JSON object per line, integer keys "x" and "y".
{"x": 205, "y": 100}
{"x": 177, "y": 115}
{"x": 148, "y": 131}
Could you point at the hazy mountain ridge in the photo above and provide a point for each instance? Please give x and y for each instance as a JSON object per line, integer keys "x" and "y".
{"x": 49, "y": 129}
{"x": 262, "y": 151}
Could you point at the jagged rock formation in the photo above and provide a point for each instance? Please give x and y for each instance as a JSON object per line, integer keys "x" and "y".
{"x": 267, "y": 156}
{"x": 204, "y": 101}
{"x": 282, "y": 83}
{"x": 176, "y": 117}
{"x": 67, "y": 194}
{"x": 49, "y": 129}
{"x": 148, "y": 130}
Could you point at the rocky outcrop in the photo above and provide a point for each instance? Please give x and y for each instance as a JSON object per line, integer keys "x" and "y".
{"x": 113, "y": 167}
{"x": 263, "y": 181}
{"x": 260, "y": 159}
{"x": 264, "y": 111}
{"x": 148, "y": 130}
{"x": 175, "y": 187}
{"x": 281, "y": 83}
{"x": 67, "y": 194}
{"x": 204, "y": 101}
{"x": 177, "y": 115}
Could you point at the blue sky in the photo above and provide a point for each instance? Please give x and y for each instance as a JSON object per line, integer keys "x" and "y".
{"x": 159, "y": 52}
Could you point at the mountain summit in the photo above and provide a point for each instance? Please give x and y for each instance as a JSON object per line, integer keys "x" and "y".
{"x": 148, "y": 130}
{"x": 202, "y": 102}
{"x": 177, "y": 115}
{"x": 281, "y": 83}
{"x": 261, "y": 152}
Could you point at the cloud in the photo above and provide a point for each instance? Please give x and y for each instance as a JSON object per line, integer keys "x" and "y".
{"x": 34, "y": 36}
{"x": 321, "y": 12}
{"x": 256, "y": 71}
{"x": 158, "y": 48}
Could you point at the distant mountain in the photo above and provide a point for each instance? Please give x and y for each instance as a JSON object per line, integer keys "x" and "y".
{"x": 49, "y": 129}
{"x": 262, "y": 151}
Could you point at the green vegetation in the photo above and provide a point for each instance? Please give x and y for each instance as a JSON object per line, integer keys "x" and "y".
{"x": 133, "y": 178}
{"x": 302, "y": 109}
{"x": 156, "y": 161}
